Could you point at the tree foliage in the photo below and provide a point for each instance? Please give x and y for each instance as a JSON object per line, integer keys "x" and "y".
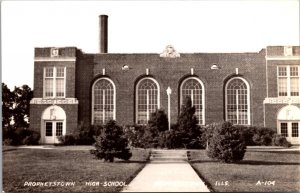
{"x": 226, "y": 143}
{"x": 22, "y": 95}
{"x": 112, "y": 143}
{"x": 7, "y": 106}
{"x": 188, "y": 130}
{"x": 158, "y": 120}
{"x": 15, "y": 106}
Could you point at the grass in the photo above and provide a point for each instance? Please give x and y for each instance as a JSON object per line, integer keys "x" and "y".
{"x": 61, "y": 165}
{"x": 281, "y": 167}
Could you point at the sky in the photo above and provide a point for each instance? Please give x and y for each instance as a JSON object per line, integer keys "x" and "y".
{"x": 141, "y": 27}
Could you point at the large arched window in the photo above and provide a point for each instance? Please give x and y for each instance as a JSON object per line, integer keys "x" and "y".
{"x": 103, "y": 101}
{"x": 237, "y": 101}
{"x": 192, "y": 87}
{"x": 147, "y": 99}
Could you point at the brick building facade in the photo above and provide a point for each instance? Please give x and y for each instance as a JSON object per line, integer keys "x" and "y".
{"x": 72, "y": 87}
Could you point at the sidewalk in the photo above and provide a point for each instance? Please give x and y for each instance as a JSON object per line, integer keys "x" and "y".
{"x": 167, "y": 176}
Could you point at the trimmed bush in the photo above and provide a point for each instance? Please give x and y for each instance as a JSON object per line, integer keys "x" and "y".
{"x": 32, "y": 138}
{"x": 226, "y": 144}
{"x": 67, "y": 140}
{"x": 279, "y": 140}
{"x": 112, "y": 143}
{"x": 263, "y": 136}
{"x": 135, "y": 134}
{"x": 84, "y": 136}
{"x": 158, "y": 120}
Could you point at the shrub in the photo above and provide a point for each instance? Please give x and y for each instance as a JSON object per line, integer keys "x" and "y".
{"x": 135, "y": 134}
{"x": 263, "y": 136}
{"x": 112, "y": 143}
{"x": 67, "y": 140}
{"x": 279, "y": 140}
{"x": 159, "y": 120}
{"x": 188, "y": 131}
{"x": 226, "y": 144}
{"x": 84, "y": 136}
{"x": 20, "y": 136}
{"x": 32, "y": 138}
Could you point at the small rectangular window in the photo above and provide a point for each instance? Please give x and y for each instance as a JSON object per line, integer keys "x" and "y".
{"x": 282, "y": 71}
{"x": 59, "y": 128}
{"x": 295, "y": 130}
{"x": 283, "y": 129}
{"x": 49, "y": 72}
{"x": 48, "y": 129}
{"x": 294, "y": 71}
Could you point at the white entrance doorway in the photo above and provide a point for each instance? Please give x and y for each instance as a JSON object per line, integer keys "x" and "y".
{"x": 289, "y": 123}
{"x": 53, "y": 130}
{"x": 53, "y": 124}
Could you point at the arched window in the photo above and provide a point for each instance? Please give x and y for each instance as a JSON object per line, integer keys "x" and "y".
{"x": 103, "y": 101}
{"x": 193, "y": 87}
{"x": 237, "y": 102}
{"x": 147, "y": 99}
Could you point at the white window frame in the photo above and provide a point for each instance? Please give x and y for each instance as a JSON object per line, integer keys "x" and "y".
{"x": 203, "y": 96}
{"x": 248, "y": 99}
{"x": 54, "y": 82}
{"x": 289, "y": 128}
{"x": 137, "y": 96}
{"x": 93, "y": 98}
{"x": 288, "y": 78}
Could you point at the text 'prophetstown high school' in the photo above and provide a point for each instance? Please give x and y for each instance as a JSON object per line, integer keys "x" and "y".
{"x": 256, "y": 88}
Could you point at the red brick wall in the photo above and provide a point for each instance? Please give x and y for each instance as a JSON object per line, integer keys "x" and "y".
{"x": 169, "y": 72}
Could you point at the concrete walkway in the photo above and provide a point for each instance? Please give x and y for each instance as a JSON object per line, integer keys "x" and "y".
{"x": 168, "y": 171}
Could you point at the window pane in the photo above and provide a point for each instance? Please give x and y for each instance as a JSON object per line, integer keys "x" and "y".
{"x": 294, "y": 70}
{"x": 295, "y": 130}
{"x": 283, "y": 129}
{"x": 60, "y": 72}
{"x": 282, "y": 71}
{"x": 59, "y": 128}
{"x": 49, "y": 72}
{"x": 237, "y": 102}
{"x": 294, "y": 86}
{"x": 193, "y": 89}
{"x": 48, "y": 87}
{"x": 282, "y": 86}
{"x": 48, "y": 129}
{"x": 103, "y": 101}
{"x": 147, "y": 100}
{"x": 60, "y": 87}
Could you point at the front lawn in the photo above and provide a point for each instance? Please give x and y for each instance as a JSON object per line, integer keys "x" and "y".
{"x": 252, "y": 174}
{"x": 22, "y": 166}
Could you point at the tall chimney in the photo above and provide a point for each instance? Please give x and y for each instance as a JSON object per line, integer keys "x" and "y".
{"x": 103, "y": 33}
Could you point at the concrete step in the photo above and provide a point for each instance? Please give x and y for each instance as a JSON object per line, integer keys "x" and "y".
{"x": 168, "y": 156}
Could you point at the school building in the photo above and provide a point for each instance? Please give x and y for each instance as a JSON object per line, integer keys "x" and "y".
{"x": 72, "y": 87}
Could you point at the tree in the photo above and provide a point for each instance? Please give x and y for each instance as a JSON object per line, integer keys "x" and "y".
{"x": 112, "y": 143}
{"x": 188, "y": 129}
{"x": 7, "y": 106}
{"x": 159, "y": 120}
{"x": 22, "y": 97}
{"x": 226, "y": 144}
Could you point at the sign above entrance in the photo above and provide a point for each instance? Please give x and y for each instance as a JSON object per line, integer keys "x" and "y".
{"x": 54, "y": 101}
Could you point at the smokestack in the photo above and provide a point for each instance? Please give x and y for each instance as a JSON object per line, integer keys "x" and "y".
{"x": 103, "y": 33}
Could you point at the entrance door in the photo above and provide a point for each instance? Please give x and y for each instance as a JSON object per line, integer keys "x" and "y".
{"x": 290, "y": 130}
{"x": 53, "y": 130}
